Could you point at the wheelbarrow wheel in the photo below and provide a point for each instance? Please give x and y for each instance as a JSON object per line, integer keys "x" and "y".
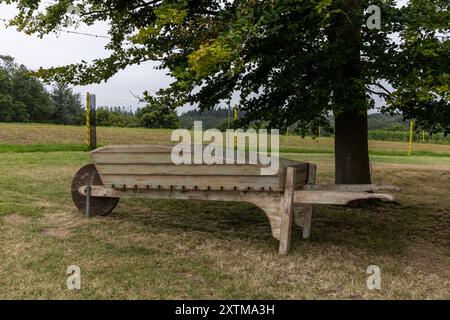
{"x": 99, "y": 205}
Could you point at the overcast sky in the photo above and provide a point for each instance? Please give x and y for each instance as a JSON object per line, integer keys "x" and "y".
{"x": 62, "y": 49}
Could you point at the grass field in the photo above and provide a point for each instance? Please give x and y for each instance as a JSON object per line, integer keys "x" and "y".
{"x": 179, "y": 249}
{"x": 43, "y": 137}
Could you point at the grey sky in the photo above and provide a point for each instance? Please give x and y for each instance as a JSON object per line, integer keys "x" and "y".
{"x": 54, "y": 50}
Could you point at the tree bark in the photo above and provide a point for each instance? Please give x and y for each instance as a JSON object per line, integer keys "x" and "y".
{"x": 351, "y": 148}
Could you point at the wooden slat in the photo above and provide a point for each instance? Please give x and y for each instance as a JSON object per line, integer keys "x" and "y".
{"x": 148, "y": 158}
{"x": 136, "y": 148}
{"x": 272, "y": 200}
{"x": 138, "y": 187}
{"x": 120, "y": 158}
{"x": 337, "y": 197}
{"x": 158, "y": 154}
{"x": 171, "y": 169}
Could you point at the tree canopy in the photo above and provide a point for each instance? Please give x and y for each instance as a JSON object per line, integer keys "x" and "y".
{"x": 158, "y": 114}
{"x": 279, "y": 55}
{"x": 287, "y": 60}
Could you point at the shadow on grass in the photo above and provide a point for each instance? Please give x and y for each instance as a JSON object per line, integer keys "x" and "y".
{"x": 378, "y": 228}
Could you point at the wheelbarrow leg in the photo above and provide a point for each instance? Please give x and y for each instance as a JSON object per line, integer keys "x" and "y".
{"x": 287, "y": 213}
{"x": 303, "y": 218}
{"x": 312, "y": 169}
{"x": 307, "y": 218}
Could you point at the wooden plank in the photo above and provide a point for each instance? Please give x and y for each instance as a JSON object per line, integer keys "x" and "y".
{"x": 135, "y": 148}
{"x": 242, "y": 181}
{"x": 349, "y": 187}
{"x": 124, "y": 158}
{"x": 287, "y": 211}
{"x": 151, "y": 149}
{"x": 271, "y": 199}
{"x": 195, "y": 188}
{"x": 140, "y": 158}
{"x": 171, "y": 169}
{"x": 337, "y": 197}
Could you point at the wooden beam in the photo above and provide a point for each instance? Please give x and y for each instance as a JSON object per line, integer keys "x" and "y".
{"x": 337, "y": 197}
{"x": 230, "y": 182}
{"x": 349, "y": 187}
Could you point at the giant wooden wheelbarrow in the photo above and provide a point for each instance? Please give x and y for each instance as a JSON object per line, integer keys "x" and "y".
{"x": 146, "y": 171}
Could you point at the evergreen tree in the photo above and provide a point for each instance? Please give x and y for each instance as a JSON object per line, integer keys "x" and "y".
{"x": 67, "y": 105}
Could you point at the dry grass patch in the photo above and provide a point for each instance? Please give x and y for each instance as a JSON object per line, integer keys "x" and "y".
{"x": 15, "y": 219}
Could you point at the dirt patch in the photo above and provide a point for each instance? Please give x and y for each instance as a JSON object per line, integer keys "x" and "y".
{"x": 61, "y": 233}
{"x": 16, "y": 219}
{"x": 69, "y": 218}
{"x": 430, "y": 260}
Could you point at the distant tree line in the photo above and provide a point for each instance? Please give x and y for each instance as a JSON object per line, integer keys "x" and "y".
{"x": 217, "y": 118}
{"x": 153, "y": 115}
{"x": 23, "y": 98}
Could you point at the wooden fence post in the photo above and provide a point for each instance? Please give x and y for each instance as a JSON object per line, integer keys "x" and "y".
{"x": 91, "y": 122}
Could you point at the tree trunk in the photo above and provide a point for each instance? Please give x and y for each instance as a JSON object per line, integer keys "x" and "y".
{"x": 351, "y": 148}
{"x": 349, "y": 96}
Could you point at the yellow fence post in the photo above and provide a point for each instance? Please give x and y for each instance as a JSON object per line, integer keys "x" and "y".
{"x": 88, "y": 120}
{"x": 411, "y": 127}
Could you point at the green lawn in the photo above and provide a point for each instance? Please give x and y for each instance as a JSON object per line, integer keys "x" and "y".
{"x": 192, "y": 249}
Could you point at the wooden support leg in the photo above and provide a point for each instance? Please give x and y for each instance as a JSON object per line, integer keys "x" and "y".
{"x": 287, "y": 213}
{"x": 303, "y": 218}
{"x": 299, "y": 214}
{"x": 307, "y": 218}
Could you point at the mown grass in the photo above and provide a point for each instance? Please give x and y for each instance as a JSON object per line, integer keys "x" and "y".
{"x": 51, "y": 147}
{"x": 192, "y": 249}
{"x": 49, "y": 138}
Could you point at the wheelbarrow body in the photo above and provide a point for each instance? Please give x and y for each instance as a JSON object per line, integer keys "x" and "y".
{"x": 285, "y": 194}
